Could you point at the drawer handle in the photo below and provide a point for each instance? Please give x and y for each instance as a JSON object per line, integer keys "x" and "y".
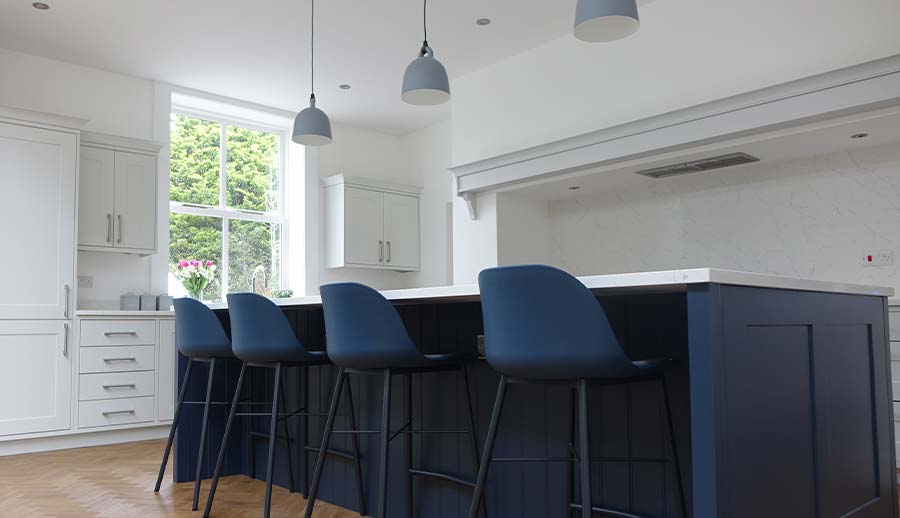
{"x": 128, "y": 359}
{"x": 118, "y": 412}
{"x": 119, "y": 385}
{"x": 120, "y": 333}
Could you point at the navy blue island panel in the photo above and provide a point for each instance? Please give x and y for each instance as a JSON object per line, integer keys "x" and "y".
{"x": 781, "y": 406}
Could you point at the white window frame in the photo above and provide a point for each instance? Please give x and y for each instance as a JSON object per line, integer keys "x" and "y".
{"x": 225, "y": 213}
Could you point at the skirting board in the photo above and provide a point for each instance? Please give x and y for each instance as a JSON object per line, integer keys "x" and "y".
{"x": 82, "y": 440}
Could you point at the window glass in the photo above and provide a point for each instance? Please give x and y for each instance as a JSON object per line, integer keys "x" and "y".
{"x": 251, "y": 162}
{"x": 194, "y": 160}
{"x": 196, "y": 238}
{"x": 254, "y": 248}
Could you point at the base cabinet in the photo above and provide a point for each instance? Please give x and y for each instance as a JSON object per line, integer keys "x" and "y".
{"x": 167, "y": 363}
{"x": 35, "y": 376}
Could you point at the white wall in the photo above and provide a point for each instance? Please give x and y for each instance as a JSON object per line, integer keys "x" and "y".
{"x": 686, "y": 52}
{"x": 812, "y": 218}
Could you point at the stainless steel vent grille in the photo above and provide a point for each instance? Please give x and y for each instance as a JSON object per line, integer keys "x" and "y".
{"x": 705, "y": 164}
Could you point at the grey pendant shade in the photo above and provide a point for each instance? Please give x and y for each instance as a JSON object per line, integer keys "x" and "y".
{"x": 425, "y": 82}
{"x": 311, "y": 126}
{"x": 605, "y": 20}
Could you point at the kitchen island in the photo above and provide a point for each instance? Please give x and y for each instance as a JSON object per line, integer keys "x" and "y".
{"x": 780, "y": 389}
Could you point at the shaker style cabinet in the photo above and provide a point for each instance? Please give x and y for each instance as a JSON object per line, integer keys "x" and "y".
{"x": 35, "y": 376}
{"x": 117, "y": 198}
{"x": 371, "y": 224}
{"x": 37, "y": 221}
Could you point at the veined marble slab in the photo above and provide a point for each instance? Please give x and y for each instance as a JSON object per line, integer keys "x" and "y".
{"x": 665, "y": 279}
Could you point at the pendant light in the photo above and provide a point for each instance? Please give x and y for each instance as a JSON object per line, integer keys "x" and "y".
{"x": 312, "y": 127}
{"x": 606, "y": 20}
{"x": 425, "y": 82}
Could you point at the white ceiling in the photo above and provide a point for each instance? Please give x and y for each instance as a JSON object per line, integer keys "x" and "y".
{"x": 258, "y": 50}
{"x": 821, "y": 138}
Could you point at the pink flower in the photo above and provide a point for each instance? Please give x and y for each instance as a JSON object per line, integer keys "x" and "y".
{"x": 195, "y": 262}
{"x": 209, "y": 263}
{"x": 182, "y": 264}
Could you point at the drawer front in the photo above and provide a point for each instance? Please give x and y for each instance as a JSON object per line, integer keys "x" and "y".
{"x": 96, "y": 333}
{"x": 115, "y": 412}
{"x": 118, "y": 359}
{"x": 895, "y": 351}
{"x": 115, "y": 385}
{"x": 894, "y": 323}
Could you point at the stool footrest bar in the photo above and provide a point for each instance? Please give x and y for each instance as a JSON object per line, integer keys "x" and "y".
{"x": 336, "y": 453}
{"x": 606, "y": 512}
{"x": 441, "y": 476}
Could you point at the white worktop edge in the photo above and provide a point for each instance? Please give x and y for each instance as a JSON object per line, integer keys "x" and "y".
{"x": 631, "y": 280}
{"x": 84, "y": 313}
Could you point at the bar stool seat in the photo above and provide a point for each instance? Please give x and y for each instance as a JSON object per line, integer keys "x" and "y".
{"x": 262, "y": 337}
{"x": 365, "y": 335}
{"x": 543, "y": 325}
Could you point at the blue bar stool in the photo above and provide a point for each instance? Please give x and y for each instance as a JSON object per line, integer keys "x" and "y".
{"x": 366, "y": 336}
{"x": 200, "y": 337}
{"x": 543, "y": 325}
{"x": 263, "y": 337}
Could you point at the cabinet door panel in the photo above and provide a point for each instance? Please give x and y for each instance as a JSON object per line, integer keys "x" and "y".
{"x": 135, "y": 201}
{"x": 35, "y": 377}
{"x": 37, "y": 221}
{"x": 401, "y": 231}
{"x": 363, "y": 226}
{"x": 96, "y": 192}
{"x": 167, "y": 363}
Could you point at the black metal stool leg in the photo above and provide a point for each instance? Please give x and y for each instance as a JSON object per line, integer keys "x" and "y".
{"x": 585, "y": 449}
{"x": 674, "y": 445}
{"x": 570, "y": 454}
{"x": 326, "y": 438}
{"x": 488, "y": 448}
{"x": 304, "y": 459}
{"x": 181, "y": 393}
{"x": 408, "y": 446}
{"x": 203, "y": 432}
{"x": 385, "y": 439}
{"x": 354, "y": 443}
{"x": 270, "y": 463}
{"x": 287, "y": 442}
{"x": 225, "y": 437}
{"x": 476, "y": 457}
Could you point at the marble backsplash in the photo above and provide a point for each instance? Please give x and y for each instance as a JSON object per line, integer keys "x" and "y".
{"x": 813, "y": 218}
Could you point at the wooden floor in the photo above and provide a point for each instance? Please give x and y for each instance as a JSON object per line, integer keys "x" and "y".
{"x": 117, "y": 482}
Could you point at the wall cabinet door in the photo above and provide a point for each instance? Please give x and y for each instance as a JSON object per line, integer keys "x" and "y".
{"x": 35, "y": 376}
{"x": 401, "y": 231}
{"x": 363, "y": 226}
{"x": 135, "y": 201}
{"x": 166, "y": 365}
{"x": 96, "y": 195}
{"x": 37, "y": 222}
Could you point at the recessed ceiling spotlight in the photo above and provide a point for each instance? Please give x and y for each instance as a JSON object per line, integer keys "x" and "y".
{"x": 483, "y": 21}
{"x": 859, "y": 135}
{"x": 574, "y": 188}
{"x": 344, "y": 86}
{"x": 40, "y": 6}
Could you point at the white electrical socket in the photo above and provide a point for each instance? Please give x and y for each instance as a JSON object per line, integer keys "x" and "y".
{"x": 85, "y": 281}
{"x": 878, "y": 258}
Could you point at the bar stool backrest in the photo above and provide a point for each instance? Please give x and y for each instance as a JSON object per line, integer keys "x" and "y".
{"x": 363, "y": 328}
{"x": 542, "y": 323}
{"x": 198, "y": 332}
{"x": 259, "y": 329}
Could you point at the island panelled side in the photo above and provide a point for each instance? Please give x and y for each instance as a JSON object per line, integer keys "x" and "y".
{"x": 781, "y": 407}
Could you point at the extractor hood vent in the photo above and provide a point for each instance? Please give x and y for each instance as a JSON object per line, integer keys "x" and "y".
{"x": 705, "y": 164}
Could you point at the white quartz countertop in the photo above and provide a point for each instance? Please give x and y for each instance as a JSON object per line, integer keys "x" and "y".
{"x": 673, "y": 279}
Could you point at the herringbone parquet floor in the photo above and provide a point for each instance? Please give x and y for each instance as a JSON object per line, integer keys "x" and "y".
{"x": 117, "y": 482}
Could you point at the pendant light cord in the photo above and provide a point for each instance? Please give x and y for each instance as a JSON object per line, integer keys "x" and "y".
{"x": 425, "y": 19}
{"x": 312, "y": 48}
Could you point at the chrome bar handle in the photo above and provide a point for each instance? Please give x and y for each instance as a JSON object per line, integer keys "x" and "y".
{"x": 388, "y": 251}
{"x": 128, "y": 359}
{"x": 68, "y": 293}
{"x": 109, "y": 229}
{"x": 117, "y": 412}
{"x": 380, "y": 251}
{"x": 119, "y": 333}
{"x": 119, "y": 218}
{"x": 119, "y": 385}
{"x": 65, "y": 340}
